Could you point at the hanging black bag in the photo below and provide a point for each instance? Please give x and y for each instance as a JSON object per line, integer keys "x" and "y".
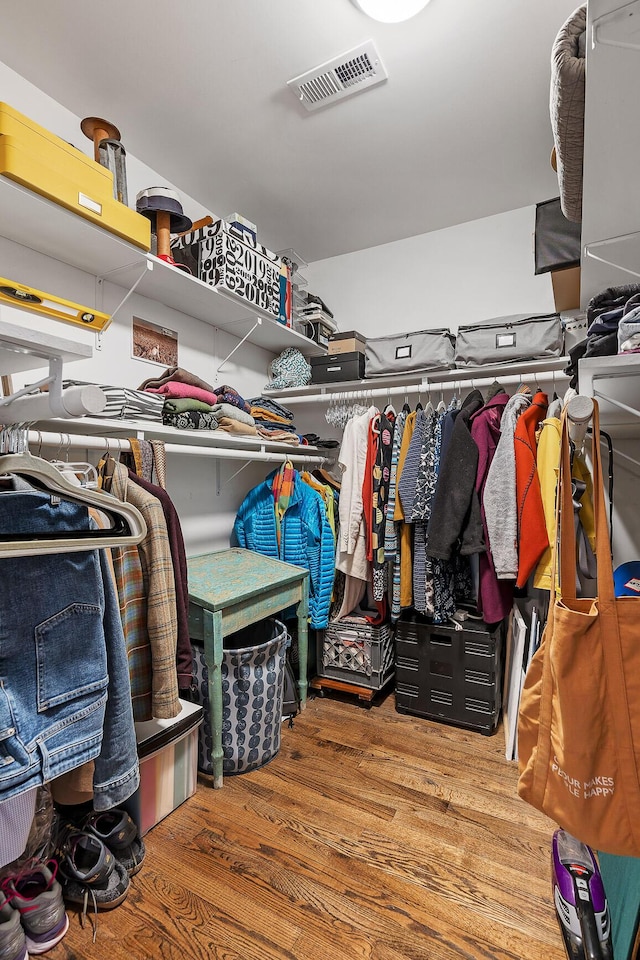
{"x": 290, "y": 695}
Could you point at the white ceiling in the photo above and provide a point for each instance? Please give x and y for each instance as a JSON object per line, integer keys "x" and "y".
{"x": 198, "y": 89}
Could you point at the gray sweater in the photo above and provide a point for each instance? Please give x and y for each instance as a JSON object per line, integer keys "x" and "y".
{"x": 500, "y": 504}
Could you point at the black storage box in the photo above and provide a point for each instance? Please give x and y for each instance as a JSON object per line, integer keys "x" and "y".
{"x": 558, "y": 241}
{"x": 450, "y": 675}
{"x": 345, "y": 366}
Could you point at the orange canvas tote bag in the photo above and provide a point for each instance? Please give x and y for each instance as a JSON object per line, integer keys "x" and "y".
{"x": 579, "y": 720}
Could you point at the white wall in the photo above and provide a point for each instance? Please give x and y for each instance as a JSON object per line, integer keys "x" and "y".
{"x": 206, "y": 518}
{"x": 43, "y": 109}
{"x": 464, "y": 274}
{"x": 611, "y": 208}
{"x": 611, "y": 187}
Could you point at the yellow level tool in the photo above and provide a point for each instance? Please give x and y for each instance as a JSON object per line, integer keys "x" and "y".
{"x": 19, "y": 295}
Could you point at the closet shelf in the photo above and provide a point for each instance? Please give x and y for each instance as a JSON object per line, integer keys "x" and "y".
{"x": 622, "y": 252}
{"x": 414, "y": 382}
{"x": 220, "y": 308}
{"x": 619, "y": 28}
{"x": 614, "y": 381}
{"x": 24, "y": 349}
{"x": 212, "y": 439}
{"x": 40, "y": 224}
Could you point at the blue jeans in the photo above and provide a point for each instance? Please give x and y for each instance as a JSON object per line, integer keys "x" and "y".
{"x": 65, "y": 696}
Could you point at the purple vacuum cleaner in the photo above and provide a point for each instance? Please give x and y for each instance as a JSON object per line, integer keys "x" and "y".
{"x": 580, "y": 901}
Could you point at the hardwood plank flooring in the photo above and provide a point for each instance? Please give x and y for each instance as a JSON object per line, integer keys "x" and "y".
{"x": 371, "y": 836}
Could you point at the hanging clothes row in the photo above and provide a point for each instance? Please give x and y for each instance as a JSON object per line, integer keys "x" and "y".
{"x": 66, "y": 694}
{"x": 451, "y": 508}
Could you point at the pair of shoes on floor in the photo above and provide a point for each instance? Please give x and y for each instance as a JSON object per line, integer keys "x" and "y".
{"x": 97, "y": 856}
{"x": 32, "y": 914}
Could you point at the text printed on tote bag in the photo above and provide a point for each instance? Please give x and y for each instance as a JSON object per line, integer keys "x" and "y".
{"x": 595, "y": 787}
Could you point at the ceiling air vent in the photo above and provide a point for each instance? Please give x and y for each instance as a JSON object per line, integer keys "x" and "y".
{"x": 350, "y": 73}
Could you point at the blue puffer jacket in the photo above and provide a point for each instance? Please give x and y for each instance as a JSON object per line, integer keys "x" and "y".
{"x": 306, "y": 538}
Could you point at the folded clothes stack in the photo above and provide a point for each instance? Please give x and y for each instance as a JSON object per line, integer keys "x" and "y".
{"x": 175, "y": 390}
{"x": 273, "y": 421}
{"x": 123, "y": 403}
{"x": 190, "y": 403}
{"x": 613, "y": 318}
{"x": 234, "y": 419}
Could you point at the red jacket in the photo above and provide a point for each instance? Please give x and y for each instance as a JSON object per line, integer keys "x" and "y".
{"x": 532, "y": 530}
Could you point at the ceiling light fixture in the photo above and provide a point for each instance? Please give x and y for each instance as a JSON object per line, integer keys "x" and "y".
{"x": 390, "y": 11}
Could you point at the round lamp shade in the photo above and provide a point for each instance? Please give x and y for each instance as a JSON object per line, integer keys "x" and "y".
{"x": 390, "y": 11}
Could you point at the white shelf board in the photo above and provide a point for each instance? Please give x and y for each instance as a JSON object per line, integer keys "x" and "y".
{"x": 620, "y": 27}
{"x": 25, "y": 349}
{"x": 150, "y": 430}
{"x": 617, "y": 377}
{"x": 220, "y": 308}
{"x": 35, "y": 222}
{"x": 622, "y": 252}
{"x": 38, "y": 223}
{"x": 413, "y": 380}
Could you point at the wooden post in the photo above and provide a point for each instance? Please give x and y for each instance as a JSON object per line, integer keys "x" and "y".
{"x": 96, "y": 129}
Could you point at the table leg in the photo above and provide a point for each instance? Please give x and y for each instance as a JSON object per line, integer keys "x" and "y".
{"x": 303, "y": 641}
{"x": 213, "y": 659}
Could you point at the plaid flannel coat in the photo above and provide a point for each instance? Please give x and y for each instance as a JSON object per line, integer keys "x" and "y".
{"x": 147, "y": 598}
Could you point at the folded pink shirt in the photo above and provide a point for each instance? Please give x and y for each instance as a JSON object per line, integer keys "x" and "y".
{"x": 176, "y": 390}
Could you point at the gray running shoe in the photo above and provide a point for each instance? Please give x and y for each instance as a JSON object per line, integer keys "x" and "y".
{"x": 37, "y": 896}
{"x": 13, "y": 945}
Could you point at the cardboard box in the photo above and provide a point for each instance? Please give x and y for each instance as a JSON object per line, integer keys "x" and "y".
{"x": 566, "y": 288}
{"x": 168, "y": 754}
{"x": 241, "y": 267}
{"x": 351, "y": 342}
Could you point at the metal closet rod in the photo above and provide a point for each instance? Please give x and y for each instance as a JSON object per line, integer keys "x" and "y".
{"x": 424, "y": 387}
{"x": 66, "y": 441}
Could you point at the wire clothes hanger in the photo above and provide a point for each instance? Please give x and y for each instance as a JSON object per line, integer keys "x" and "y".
{"x": 128, "y": 525}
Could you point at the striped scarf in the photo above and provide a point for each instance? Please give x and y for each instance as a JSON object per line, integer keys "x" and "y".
{"x": 283, "y": 484}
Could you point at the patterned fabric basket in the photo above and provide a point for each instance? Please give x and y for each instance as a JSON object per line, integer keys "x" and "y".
{"x": 252, "y": 688}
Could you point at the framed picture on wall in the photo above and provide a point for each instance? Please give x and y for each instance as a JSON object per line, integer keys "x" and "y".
{"x": 154, "y": 343}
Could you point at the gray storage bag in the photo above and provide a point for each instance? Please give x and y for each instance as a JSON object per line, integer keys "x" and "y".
{"x": 518, "y": 337}
{"x": 409, "y": 352}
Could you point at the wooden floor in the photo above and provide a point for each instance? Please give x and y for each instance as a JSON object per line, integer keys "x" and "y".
{"x": 372, "y": 836}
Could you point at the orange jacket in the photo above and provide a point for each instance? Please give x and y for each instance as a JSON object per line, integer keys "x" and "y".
{"x": 532, "y": 529}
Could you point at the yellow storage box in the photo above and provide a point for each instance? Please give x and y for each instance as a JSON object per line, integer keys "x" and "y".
{"x": 46, "y": 164}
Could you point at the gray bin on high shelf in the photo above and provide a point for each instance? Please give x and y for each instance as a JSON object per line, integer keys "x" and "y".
{"x": 252, "y": 687}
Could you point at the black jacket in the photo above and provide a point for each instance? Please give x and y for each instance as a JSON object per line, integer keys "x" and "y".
{"x": 456, "y": 523}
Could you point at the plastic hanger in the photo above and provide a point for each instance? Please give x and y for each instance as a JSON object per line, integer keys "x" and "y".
{"x": 85, "y": 472}
{"x": 128, "y": 523}
{"x": 322, "y": 474}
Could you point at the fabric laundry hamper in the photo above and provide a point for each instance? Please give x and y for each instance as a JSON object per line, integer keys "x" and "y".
{"x": 253, "y": 668}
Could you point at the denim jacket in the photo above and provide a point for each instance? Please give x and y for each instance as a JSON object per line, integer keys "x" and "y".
{"x": 65, "y": 696}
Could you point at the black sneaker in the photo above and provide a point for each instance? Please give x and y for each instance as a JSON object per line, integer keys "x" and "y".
{"x": 89, "y": 871}
{"x": 119, "y": 833}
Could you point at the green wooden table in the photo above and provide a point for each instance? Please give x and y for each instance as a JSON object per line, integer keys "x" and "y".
{"x": 230, "y": 590}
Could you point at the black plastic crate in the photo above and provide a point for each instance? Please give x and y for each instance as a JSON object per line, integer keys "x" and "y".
{"x": 356, "y": 652}
{"x": 450, "y": 675}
